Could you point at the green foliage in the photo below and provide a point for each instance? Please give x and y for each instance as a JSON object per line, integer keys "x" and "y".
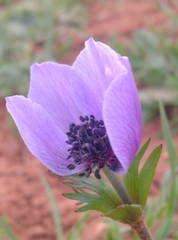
{"x": 76, "y": 232}
{"x": 35, "y": 31}
{"x": 54, "y": 209}
{"x": 113, "y": 230}
{"x": 163, "y": 207}
{"x": 147, "y": 173}
{"x": 103, "y": 198}
{"x": 153, "y": 58}
{"x": 131, "y": 178}
{"x": 126, "y": 213}
{"x": 138, "y": 183}
{"x": 28, "y": 34}
{"x": 172, "y": 191}
{"x": 5, "y": 230}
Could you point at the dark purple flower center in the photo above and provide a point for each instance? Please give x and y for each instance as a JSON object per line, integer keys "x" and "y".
{"x": 90, "y": 146}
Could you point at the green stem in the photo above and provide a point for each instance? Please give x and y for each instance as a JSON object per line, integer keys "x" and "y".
{"x": 140, "y": 227}
{"x": 144, "y": 234}
{"x": 118, "y": 186}
{"x": 142, "y": 230}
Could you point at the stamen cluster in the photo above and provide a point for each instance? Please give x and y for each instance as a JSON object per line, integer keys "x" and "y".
{"x": 90, "y": 146}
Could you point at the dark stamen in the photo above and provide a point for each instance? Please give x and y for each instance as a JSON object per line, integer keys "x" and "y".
{"x": 82, "y": 174}
{"x": 113, "y": 167}
{"x": 97, "y": 175}
{"x": 86, "y": 118}
{"x": 82, "y": 119}
{"x": 71, "y": 166}
{"x": 90, "y": 146}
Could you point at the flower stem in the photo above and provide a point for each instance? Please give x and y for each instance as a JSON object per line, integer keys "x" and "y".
{"x": 140, "y": 227}
{"x": 118, "y": 186}
{"x": 142, "y": 230}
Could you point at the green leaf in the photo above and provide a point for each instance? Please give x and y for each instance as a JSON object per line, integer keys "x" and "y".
{"x": 126, "y": 213}
{"x": 113, "y": 231}
{"x": 131, "y": 180}
{"x": 56, "y": 218}
{"x": 147, "y": 173}
{"x": 153, "y": 95}
{"x": 6, "y": 230}
{"x": 77, "y": 229}
{"x": 145, "y": 41}
{"x": 164, "y": 228}
{"x": 138, "y": 184}
{"x": 93, "y": 201}
{"x": 101, "y": 196}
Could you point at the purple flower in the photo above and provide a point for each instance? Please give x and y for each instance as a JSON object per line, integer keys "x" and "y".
{"x": 81, "y": 117}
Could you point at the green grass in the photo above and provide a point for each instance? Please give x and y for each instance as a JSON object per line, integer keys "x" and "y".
{"x": 153, "y": 56}
{"x": 35, "y": 31}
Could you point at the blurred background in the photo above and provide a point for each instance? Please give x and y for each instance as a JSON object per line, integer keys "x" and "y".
{"x": 55, "y": 30}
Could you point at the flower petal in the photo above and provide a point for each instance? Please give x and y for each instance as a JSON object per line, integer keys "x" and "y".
{"x": 49, "y": 87}
{"x": 122, "y": 117}
{"x": 43, "y": 138}
{"x": 92, "y": 72}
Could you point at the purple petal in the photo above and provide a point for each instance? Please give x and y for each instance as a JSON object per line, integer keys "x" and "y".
{"x": 43, "y": 138}
{"x": 92, "y": 72}
{"x": 122, "y": 117}
{"x": 49, "y": 87}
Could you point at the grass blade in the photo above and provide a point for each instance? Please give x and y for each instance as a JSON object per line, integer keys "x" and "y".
{"x": 131, "y": 179}
{"x": 6, "y": 230}
{"x": 147, "y": 173}
{"x": 56, "y": 217}
{"x": 77, "y": 230}
{"x": 161, "y": 234}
